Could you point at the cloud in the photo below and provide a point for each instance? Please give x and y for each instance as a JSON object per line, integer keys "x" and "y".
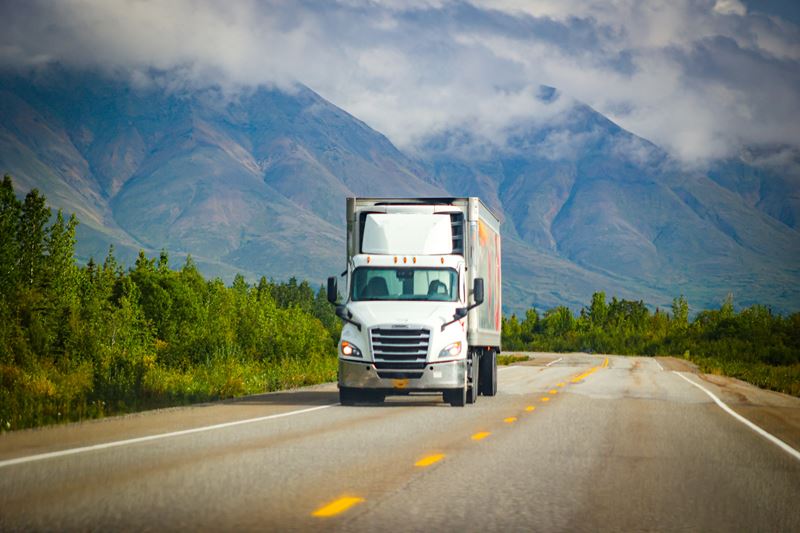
{"x": 701, "y": 78}
{"x": 730, "y": 7}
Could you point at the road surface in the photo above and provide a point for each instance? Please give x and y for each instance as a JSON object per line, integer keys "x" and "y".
{"x": 571, "y": 443}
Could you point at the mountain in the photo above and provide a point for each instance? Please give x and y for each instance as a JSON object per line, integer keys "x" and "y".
{"x": 254, "y": 182}
{"x": 583, "y": 189}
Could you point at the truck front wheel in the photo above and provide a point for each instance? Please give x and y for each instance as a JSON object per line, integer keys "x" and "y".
{"x": 348, "y": 396}
{"x": 456, "y": 397}
{"x": 488, "y": 373}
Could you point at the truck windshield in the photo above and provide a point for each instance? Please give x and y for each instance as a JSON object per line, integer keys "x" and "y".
{"x": 381, "y": 283}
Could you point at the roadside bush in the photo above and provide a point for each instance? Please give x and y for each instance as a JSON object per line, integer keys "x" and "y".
{"x": 752, "y": 344}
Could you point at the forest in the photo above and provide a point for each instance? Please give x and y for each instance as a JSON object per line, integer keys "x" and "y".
{"x": 753, "y": 344}
{"x": 90, "y": 340}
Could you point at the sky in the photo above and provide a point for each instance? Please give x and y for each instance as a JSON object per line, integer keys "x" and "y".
{"x": 703, "y": 79}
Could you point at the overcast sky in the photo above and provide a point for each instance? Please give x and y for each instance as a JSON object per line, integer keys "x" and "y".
{"x": 700, "y": 78}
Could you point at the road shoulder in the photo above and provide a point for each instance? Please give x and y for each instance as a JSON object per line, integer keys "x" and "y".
{"x": 774, "y": 412}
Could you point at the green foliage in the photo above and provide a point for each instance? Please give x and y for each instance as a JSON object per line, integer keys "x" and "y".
{"x": 753, "y": 344}
{"x": 90, "y": 341}
{"x": 508, "y": 359}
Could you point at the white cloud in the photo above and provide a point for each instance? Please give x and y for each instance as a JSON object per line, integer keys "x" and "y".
{"x": 730, "y": 7}
{"x": 700, "y": 78}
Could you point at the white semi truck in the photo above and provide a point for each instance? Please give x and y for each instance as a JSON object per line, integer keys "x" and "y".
{"x": 422, "y": 299}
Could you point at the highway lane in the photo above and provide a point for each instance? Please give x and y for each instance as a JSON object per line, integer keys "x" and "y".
{"x": 581, "y": 443}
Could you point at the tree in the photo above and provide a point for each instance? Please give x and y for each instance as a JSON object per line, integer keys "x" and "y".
{"x": 61, "y": 271}
{"x": 30, "y": 236}
{"x": 529, "y": 326}
{"x": 558, "y": 321}
{"x": 680, "y": 314}
{"x": 10, "y": 212}
{"x": 598, "y": 310}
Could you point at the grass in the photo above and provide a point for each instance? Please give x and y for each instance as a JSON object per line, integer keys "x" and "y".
{"x": 785, "y": 379}
{"x": 511, "y": 358}
{"x": 49, "y": 396}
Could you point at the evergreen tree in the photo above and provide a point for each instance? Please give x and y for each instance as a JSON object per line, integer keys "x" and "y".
{"x": 30, "y": 236}
{"x": 10, "y": 213}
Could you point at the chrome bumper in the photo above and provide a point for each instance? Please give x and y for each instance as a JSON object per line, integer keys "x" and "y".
{"x": 433, "y": 377}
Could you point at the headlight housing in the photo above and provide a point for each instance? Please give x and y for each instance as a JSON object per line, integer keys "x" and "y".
{"x": 348, "y": 349}
{"x": 451, "y": 350}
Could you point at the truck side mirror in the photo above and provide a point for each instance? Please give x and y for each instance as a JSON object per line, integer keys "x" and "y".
{"x": 333, "y": 291}
{"x": 477, "y": 295}
{"x": 477, "y": 291}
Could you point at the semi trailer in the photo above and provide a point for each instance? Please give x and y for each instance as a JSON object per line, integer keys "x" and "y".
{"x": 421, "y": 300}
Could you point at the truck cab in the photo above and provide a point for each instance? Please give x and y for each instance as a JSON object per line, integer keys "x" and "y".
{"x": 413, "y": 293}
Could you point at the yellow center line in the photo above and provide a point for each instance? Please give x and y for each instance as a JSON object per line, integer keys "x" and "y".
{"x": 510, "y": 419}
{"x": 429, "y": 460}
{"x": 585, "y": 375}
{"x": 545, "y": 398}
{"x": 553, "y": 391}
{"x": 530, "y": 408}
{"x": 337, "y": 506}
{"x": 589, "y": 372}
{"x": 481, "y": 435}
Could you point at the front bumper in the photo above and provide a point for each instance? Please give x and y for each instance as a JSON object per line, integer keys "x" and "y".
{"x": 433, "y": 377}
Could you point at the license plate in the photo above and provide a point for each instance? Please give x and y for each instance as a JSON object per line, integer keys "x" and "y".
{"x": 400, "y": 383}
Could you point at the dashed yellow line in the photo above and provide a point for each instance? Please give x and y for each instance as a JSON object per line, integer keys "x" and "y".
{"x": 337, "y": 506}
{"x": 343, "y": 504}
{"x": 429, "y": 460}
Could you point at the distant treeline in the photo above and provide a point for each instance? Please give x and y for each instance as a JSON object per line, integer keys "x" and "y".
{"x": 93, "y": 340}
{"x": 753, "y": 344}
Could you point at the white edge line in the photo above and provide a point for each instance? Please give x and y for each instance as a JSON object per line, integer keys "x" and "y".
{"x": 114, "y": 444}
{"x": 659, "y": 365}
{"x": 770, "y": 437}
{"x": 554, "y": 362}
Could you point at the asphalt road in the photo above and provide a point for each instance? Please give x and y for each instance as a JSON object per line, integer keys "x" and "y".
{"x": 581, "y": 443}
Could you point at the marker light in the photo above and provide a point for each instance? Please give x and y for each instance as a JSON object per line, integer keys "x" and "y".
{"x": 350, "y": 350}
{"x": 405, "y": 260}
{"x": 395, "y": 259}
{"x": 415, "y": 260}
{"x": 442, "y": 260}
{"x": 369, "y": 259}
{"x": 451, "y": 350}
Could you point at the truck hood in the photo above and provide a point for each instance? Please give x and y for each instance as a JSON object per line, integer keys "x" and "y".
{"x": 430, "y": 314}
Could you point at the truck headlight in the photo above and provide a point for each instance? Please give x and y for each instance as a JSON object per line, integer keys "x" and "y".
{"x": 451, "y": 350}
{"x": 350, "y": 350}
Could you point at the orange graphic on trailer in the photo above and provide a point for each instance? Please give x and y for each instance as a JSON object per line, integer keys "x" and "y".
{"x": 489, "y": 268}
{"x": 483, "y": 233}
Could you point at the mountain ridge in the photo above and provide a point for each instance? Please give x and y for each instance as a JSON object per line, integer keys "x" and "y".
{"x": 255, "y": 183}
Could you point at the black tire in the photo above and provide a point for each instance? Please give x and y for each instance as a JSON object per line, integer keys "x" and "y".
{"x": 488, "y": 373}
{"x": 456, "y": 397}
{"x": 472, "y": 390}
{"x": 348, "y": 396}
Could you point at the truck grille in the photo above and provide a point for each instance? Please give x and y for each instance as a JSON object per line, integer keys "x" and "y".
{"x": 400, "y": 344}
